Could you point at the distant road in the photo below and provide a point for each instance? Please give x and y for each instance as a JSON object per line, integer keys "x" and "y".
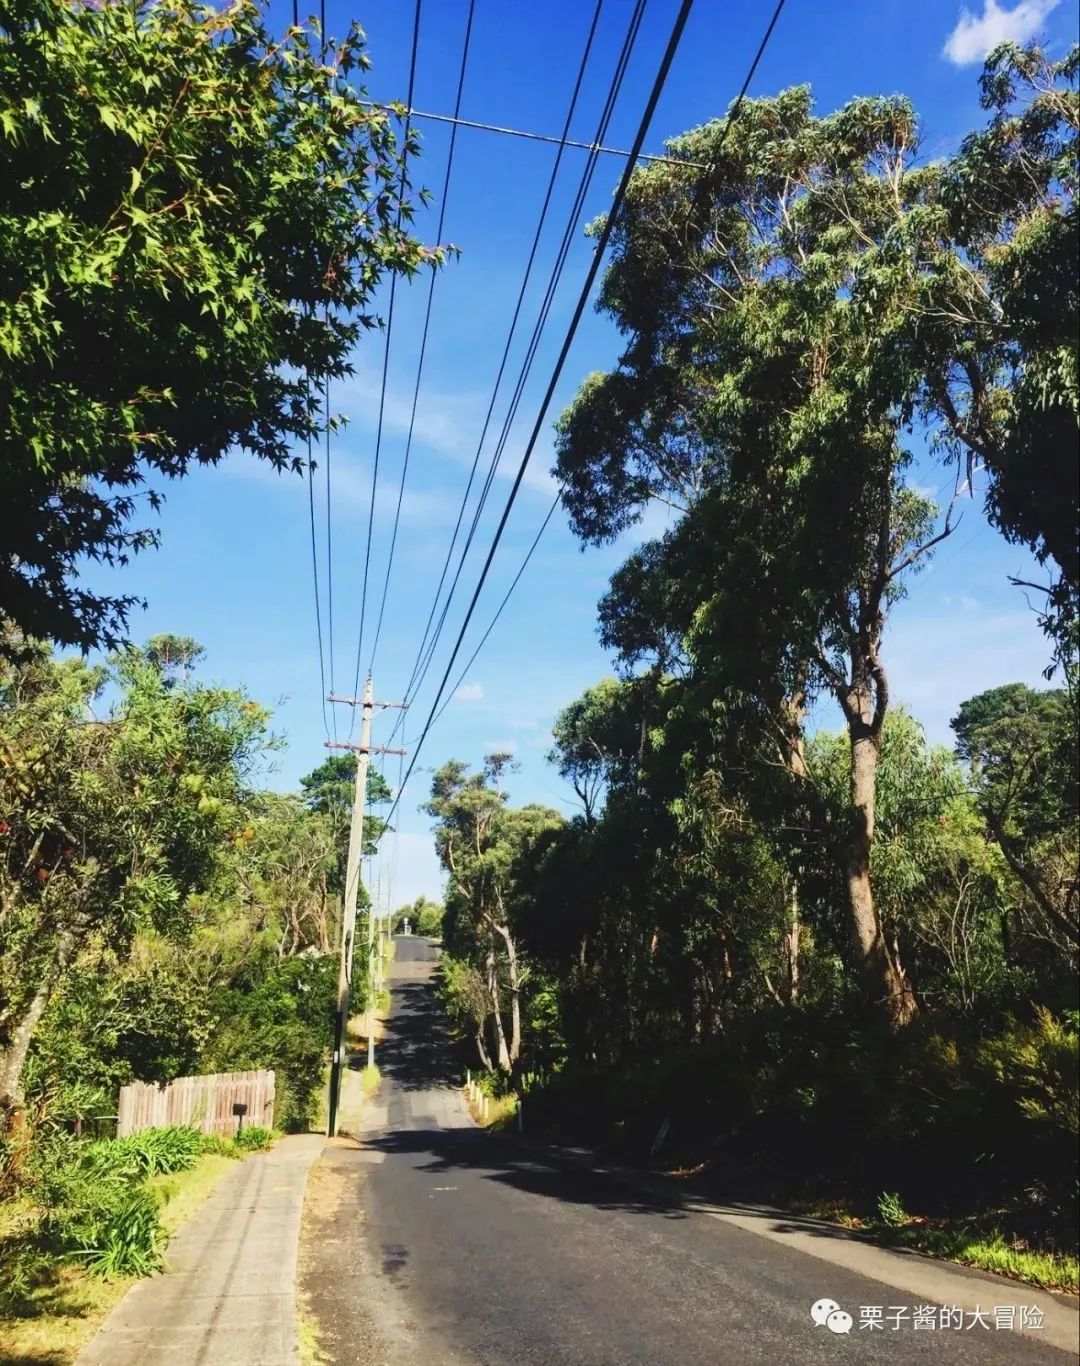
{"x": 442, "y": 1246}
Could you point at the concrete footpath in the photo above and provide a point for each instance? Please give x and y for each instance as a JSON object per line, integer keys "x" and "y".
{"x": 228, "y": 1296}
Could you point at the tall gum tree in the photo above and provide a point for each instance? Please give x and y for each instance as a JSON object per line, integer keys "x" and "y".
{"x": 752, "y": 395}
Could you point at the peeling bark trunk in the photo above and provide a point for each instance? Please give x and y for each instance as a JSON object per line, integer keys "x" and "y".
{"x": 13, "y": 1056}
{"x": 886, "y": 985}
{"x": 501, "y": 1050}
{"x": 481, "y": 1048}
{"x": 515, "y": 993}
{"x": 792, "y": 939}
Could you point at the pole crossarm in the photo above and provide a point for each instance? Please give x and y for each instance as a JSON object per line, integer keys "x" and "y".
{"x": 359, "y": 702}
{"x": 361, "y": 749}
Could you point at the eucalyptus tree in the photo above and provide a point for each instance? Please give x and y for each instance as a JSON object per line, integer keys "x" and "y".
{"x": 194, "y": 216}
{"x": 483, "y": 846}
{"x": 977, "y": 291}
{"x": 751, "y": 394}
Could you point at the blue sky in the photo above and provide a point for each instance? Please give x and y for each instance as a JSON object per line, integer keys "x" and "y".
{"x": 234, "y": 569}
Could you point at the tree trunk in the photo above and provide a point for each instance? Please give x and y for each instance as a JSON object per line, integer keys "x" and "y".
{"x": 13, "y": 1056}
{"x": 792, "y": 937}
{"x": 482, "y": 1049}
{"x": 496, "y": 1013}
{"x": 515, "y": 993}
{"x": 885, "y": 984}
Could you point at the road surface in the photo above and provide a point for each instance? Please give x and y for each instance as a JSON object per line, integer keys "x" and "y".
{"x": 435, "y": 1244}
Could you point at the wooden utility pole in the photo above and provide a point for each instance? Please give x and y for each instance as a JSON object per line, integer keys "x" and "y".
{"x": 352, "y": 891}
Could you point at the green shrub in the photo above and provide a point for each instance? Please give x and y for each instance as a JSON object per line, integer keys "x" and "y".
{"x": 151, "y": 1152}
{"x": 91, "y": 1201}
{"x": 891, "y": 1210}
{"x": 254, "y": 1139}
{"x": 123, "y": 1238}
{"x": 1038, "y": 1066}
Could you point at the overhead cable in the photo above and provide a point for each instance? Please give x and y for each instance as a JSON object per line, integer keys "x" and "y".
{"x": 417, "y": 679}
{"x": 598, "y": 255}
{"x": 424, "y": 337}
{"x": 558, "y": 497}
{"x": 386, "y": 356}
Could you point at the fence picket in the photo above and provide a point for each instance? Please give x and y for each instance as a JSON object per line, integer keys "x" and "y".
{"x": 204, "y": 1102}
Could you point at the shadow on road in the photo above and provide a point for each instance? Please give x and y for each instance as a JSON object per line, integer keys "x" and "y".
{"x": 417, "y": 1054}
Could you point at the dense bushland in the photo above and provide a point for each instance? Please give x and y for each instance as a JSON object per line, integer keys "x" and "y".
{"x": 162, "y": 914}
{"x": 837, "y": 964}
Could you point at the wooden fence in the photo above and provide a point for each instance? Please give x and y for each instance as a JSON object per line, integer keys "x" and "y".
{"x": 205, "y": 1103}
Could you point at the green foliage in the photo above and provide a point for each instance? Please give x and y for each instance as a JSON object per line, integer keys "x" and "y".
{"x": 891, "y": 1209}
{"x": 328, "y": 791}
{"x": 93, "y": 1204}
{"x": 151, "y": 1152}
{"x": 127, "y": 1240}
{"x": 1038, "y": 1064}
{"x": 487, "y": 848}
{"x": 109, "y": 825}
{"x": 278, "y": 1013}
{"x": 426, "y": 917}
{"x": 254, "y": 1139}
{"x": 221, "y": 205}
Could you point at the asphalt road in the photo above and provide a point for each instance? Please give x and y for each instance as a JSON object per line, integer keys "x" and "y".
{"x": 439, "y": 1245}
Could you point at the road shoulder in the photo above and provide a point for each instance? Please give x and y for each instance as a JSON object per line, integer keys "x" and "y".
{"x": 924, "y": 1278}
{"x": 228, "y": 1295}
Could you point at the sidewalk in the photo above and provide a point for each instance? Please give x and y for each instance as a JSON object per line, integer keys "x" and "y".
{"x": 228, "y": 1297}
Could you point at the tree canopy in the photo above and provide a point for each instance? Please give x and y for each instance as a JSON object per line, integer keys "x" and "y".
{"x": 194, "y": 215}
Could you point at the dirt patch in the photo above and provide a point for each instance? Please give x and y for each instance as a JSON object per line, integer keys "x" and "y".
{"x": 335, "y": 1327}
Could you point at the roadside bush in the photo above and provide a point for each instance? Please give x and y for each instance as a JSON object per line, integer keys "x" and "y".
{"x": 151, "y": 1152}
{"x": 281, "y": 1016}
{"x": 254, "y": 1139}
{"x": 950, "y": 1116}
{"x": 90, "y": 1201}
{"x": 122, "y": 1236}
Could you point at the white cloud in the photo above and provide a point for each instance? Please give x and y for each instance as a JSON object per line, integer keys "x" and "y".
{"x": 444, "y": 421}
{"x": 500, "y": 746}
{"x": 976, "y": 35}
{"x": 470, "y": 692}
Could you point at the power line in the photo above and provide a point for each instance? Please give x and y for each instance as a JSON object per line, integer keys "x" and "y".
{"x": 311, "y": 514}
{"x": 534, "y": 341}
{"x": 424, "y": 335}
{"x": 534, "y": 137}
{"x": 575, "y": 94}
{"x": 605, "y": 235}
{"x": 386, "y": 353}
{"x": 499, "y": 610}
{"x": 329, "y": 550}
{"x": 558, "y": 498}
{"x": 315, "y": 574}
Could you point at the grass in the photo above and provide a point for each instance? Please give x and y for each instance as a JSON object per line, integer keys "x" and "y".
{"x": 501, "y": 1111}
{"x": 184, "y": 1191}
{"x": 985, "y": 1252}
{"x": 75, "y": 1304}
{"x": 980, "y": 1248}
{"x": 321, "y": 1115}
{"x": 369, "y": 1080}
{"x": 307, "y": 1333}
